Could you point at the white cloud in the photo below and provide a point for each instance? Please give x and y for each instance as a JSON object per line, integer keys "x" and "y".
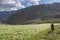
{"x": 31, "y": 2}
{"x": 15, "y": 4}
{"x": 7, "y": 5}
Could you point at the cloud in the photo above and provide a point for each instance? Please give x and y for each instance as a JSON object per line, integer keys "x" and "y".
{"x": 16, "y": 4}
{"x": 10, "y": 5}
{"x": 31, "y": 2}
{"x": 19, "y": 4}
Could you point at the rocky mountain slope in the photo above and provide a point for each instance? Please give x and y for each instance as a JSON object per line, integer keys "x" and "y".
{"x": 35, "y": 14}
{"x": 5, "y": 14}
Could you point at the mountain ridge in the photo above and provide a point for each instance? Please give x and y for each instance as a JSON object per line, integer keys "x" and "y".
{"x": 5, "y": 14}
{"x": 38, "y": 13}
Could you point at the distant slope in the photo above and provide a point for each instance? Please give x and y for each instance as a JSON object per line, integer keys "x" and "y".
{"x": 35, "y": 13}
{"x": 5, "y": 14}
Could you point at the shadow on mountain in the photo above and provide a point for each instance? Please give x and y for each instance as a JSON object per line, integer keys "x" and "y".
{"x": 35, "y": 14}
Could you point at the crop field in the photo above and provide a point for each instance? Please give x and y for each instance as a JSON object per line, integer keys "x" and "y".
{"x": 29, "y": 32}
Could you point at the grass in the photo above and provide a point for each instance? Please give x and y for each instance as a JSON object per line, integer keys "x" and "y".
{"x": 48, "y": 35}
{"x": 29, "y": 32}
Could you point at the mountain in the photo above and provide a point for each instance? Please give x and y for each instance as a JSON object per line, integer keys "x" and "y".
{"x": 36, "y": 14}
{"x": 5, "y": 14}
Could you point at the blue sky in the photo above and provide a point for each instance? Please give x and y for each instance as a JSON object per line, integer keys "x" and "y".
{"x": 8, "y": 5}
{"x": 49, "y": 1}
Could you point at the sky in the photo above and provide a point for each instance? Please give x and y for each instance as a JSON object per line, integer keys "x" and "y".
{"x": 8, "y": 5}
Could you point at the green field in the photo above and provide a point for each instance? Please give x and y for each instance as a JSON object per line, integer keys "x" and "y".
{"x": 29, "y": 32}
